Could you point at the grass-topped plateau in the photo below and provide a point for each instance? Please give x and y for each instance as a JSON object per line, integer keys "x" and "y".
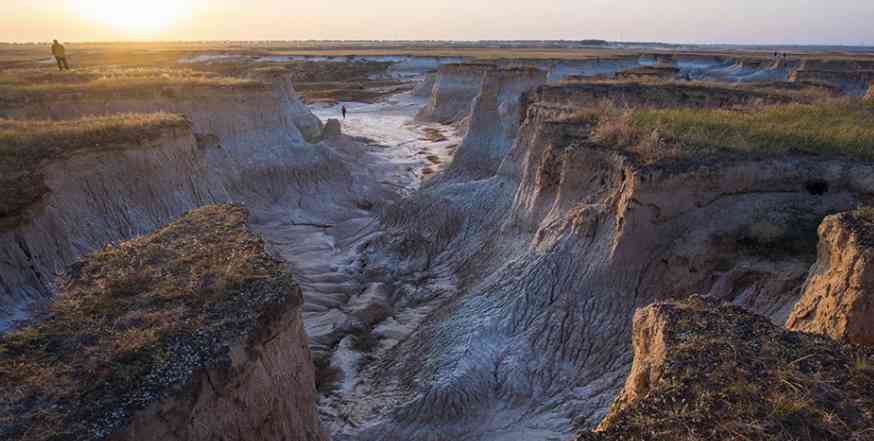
{"x": 133, "y": 321}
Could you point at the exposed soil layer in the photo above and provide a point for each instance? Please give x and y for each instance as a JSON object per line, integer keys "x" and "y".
{"x": 837, "y": 300}
{"x": 707, "y": 372}
{"x": 191, "y": 333}
{"x": 550, "y": 255}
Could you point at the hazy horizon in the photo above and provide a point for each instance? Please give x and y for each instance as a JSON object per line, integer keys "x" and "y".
{"x": 746, "y": 22}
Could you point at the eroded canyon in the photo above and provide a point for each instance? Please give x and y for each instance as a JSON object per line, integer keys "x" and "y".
{"x": 481, "y": 249}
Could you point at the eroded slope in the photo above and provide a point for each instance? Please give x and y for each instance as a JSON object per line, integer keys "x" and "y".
{"x": 191, "y": 333}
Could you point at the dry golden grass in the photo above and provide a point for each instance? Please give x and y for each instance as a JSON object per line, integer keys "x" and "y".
{"x": 732, "y": 376}
{"x": 831, "y": 127}
{"x": 834, "y": 127}
{"x": 26, "y": 141}
{"x": 26, "y": 144}
{"x": 25, "y": 85}
{"x": 134, "y": 320}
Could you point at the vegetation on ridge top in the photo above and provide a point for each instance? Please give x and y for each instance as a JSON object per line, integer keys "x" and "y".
{"x": 831, "y": 127}
{"x": 25, "y": 144}
{"x": 134, "y": 320}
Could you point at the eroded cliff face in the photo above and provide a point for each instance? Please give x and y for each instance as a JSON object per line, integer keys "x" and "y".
{"x": 193, "y": 332}
{"x": 852, "y": 76}
{"x": 425, "y": 87}
{"x": 550, "y": 257}
{"x": 265, "y": 390}
{"x": 100, "y": 197}
{"x": 268, "y": 114}
{"x": 837, "y": 300}
{"x": 243, "y": 146}
{"x": 708, "y": 371}
{"x": 455, "y": 89}
{"x": 494, "y": 122}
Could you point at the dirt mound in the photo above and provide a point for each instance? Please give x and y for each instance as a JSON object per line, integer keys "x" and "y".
{"x": 708, "y": 372}
{"x": 837, "y": 299}
{"x": 191, "y": 333}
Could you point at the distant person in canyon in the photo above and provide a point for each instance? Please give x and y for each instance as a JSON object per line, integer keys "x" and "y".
{"x": 60, "y": 54}
{"x": 343, "y": 110}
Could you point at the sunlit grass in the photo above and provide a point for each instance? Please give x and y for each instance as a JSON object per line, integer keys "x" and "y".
{"x": 17, "y": 85}
{"x": 840, "y": 127}
{"x": 26, "y": 144}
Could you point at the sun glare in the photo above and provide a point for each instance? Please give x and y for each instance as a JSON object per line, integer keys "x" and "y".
{"x": 133, "y": 15}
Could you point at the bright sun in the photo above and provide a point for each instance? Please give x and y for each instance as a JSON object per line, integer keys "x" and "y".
{"x": 134, "y": 15}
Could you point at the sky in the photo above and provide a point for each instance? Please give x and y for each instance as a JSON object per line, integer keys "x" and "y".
{"x": 675, "y": 21}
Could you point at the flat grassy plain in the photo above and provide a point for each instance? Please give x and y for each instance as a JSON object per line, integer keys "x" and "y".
{"x": 30, "y": 84}
{"x": 834, "y": 127}
{"x": 828, "y": 127}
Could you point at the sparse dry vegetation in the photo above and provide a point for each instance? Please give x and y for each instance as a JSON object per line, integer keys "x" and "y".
{"x": 731, "y": 375}
{"x": 837, "y": 127}
{"x": 26, "y": 85}
{"x": 134, "y": 320}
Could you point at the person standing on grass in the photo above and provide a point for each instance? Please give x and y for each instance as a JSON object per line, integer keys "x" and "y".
{"x": 343, "y": 110}
{"x": 60, "y": 55}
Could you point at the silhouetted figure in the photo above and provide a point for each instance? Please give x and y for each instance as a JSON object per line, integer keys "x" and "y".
{"x": 60, "y": 55}
{"x": 343, "y": 110}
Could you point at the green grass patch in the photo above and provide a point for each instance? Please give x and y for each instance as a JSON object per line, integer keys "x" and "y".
{"x": 836, "y": 127}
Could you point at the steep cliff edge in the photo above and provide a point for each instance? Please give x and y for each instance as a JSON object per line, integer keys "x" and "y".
{"x": 707, "y": 372}
{"x": 191, "y": 333}
{"x": 425, "y": 87}
{"x": 549, "y": 257}
{"x": 76, "y": 186}
{"x": 455, "y": 88}
{"x": 104, "y": 178}
{"x": 838, "y": 301}
{"x": 494, "y": 122}
{"x": 263, "y": 109}
{"x": 851, "y": 76}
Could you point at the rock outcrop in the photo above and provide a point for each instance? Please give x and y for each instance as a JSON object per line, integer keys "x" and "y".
{"x": 838, "y": 298}
{"x": 332, "y": 130}
{"x": 453, "y": 93}
{"x": 494, "y": 121}
{"x": 704, "y": 371}
{"x": 425, "y": 87}
{"x": 191, "y": 333}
